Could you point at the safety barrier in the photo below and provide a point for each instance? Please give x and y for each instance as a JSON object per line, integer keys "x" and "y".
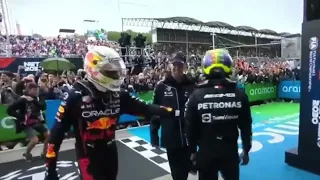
{"x": 255, "y": 92}
{"x": 284, "y": 90}
{"x": 261, "y": 92}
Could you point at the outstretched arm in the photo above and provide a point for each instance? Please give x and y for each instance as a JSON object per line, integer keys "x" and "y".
{"x": 135, "y": 106}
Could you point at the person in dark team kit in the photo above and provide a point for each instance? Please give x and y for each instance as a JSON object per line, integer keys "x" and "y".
{"x": 174, "y": 91}
{"x": 214, "y": 113}
{"x": 93, "y": 107}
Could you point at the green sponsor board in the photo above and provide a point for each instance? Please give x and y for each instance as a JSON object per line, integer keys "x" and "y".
{"x": 7, "y": 127}
{"x": 260, "y": 92}
{"x": 146, "y": 96}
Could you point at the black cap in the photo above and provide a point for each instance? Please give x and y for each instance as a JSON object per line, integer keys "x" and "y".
{"x": 179, "y": 57}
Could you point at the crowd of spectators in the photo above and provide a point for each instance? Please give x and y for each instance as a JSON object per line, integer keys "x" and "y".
{"x": 51, "y": 85}
{"x": 141, "y": 77}
{"x": 28, "y": 46}
{"x": 263, "y": 70}
{"x": 143, "y": 72}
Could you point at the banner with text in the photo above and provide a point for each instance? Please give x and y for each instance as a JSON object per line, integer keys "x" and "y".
{"x": 309, "y": 133}
{"x": 289, "y": 89}
{"x": 261, "y": 92}
{"x": 30, "y": 65}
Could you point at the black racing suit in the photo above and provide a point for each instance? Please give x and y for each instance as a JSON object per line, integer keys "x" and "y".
{"x": 214, "y": 113}
{"x": 175, "y": 94}
{"x": 94, "y": 116}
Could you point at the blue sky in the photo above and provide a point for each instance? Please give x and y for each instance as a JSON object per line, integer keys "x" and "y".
{"x": 46, "y": 17}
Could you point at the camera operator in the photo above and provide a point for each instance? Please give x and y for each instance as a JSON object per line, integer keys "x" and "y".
{"x": 174, "y": 90}
{"x": 214, "y": 112}
{"x": 27, "y": 111}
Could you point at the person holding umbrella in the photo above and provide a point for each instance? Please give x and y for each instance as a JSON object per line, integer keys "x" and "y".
{"x": 57, "y": 64}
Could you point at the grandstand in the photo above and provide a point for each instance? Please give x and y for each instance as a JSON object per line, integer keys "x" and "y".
{"x": 192, "y": 35}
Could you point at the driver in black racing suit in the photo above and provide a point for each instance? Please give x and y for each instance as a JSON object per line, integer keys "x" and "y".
{"x": 93, "y": 108}
{"x": 214, "y": 113}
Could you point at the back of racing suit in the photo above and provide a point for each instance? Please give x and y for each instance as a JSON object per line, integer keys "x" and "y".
{"x": 214, "y": 113}
{"x": 94, "y": 116}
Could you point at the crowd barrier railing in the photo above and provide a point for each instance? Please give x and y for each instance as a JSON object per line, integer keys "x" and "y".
{"x": 255, "y": 92}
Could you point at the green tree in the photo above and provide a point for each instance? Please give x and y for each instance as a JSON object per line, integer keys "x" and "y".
{"x": 115, "y": 35}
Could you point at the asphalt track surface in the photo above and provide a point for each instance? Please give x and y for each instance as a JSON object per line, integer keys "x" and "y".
{"x": 132, "y": 166}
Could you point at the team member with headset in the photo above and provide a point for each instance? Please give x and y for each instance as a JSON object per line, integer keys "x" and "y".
{"x": 214, "y": 113}
{"x": 174, "y": 90}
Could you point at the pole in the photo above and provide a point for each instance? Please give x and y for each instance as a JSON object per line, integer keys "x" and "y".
{"x": 187, "y": 44}
{"x": 122, "y": 25}
{"x": 119, "y": 9}
{"x": 4, "y": 18}
{"x": 255, "y": 43}
{"x": 8, "y": 16}
{"x": 213, "y": 41}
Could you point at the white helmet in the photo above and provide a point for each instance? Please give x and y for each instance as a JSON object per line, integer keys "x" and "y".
{"x": 105, "y": 68}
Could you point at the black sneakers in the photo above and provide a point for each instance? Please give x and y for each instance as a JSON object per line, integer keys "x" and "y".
{"x": 27, "y": 157}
